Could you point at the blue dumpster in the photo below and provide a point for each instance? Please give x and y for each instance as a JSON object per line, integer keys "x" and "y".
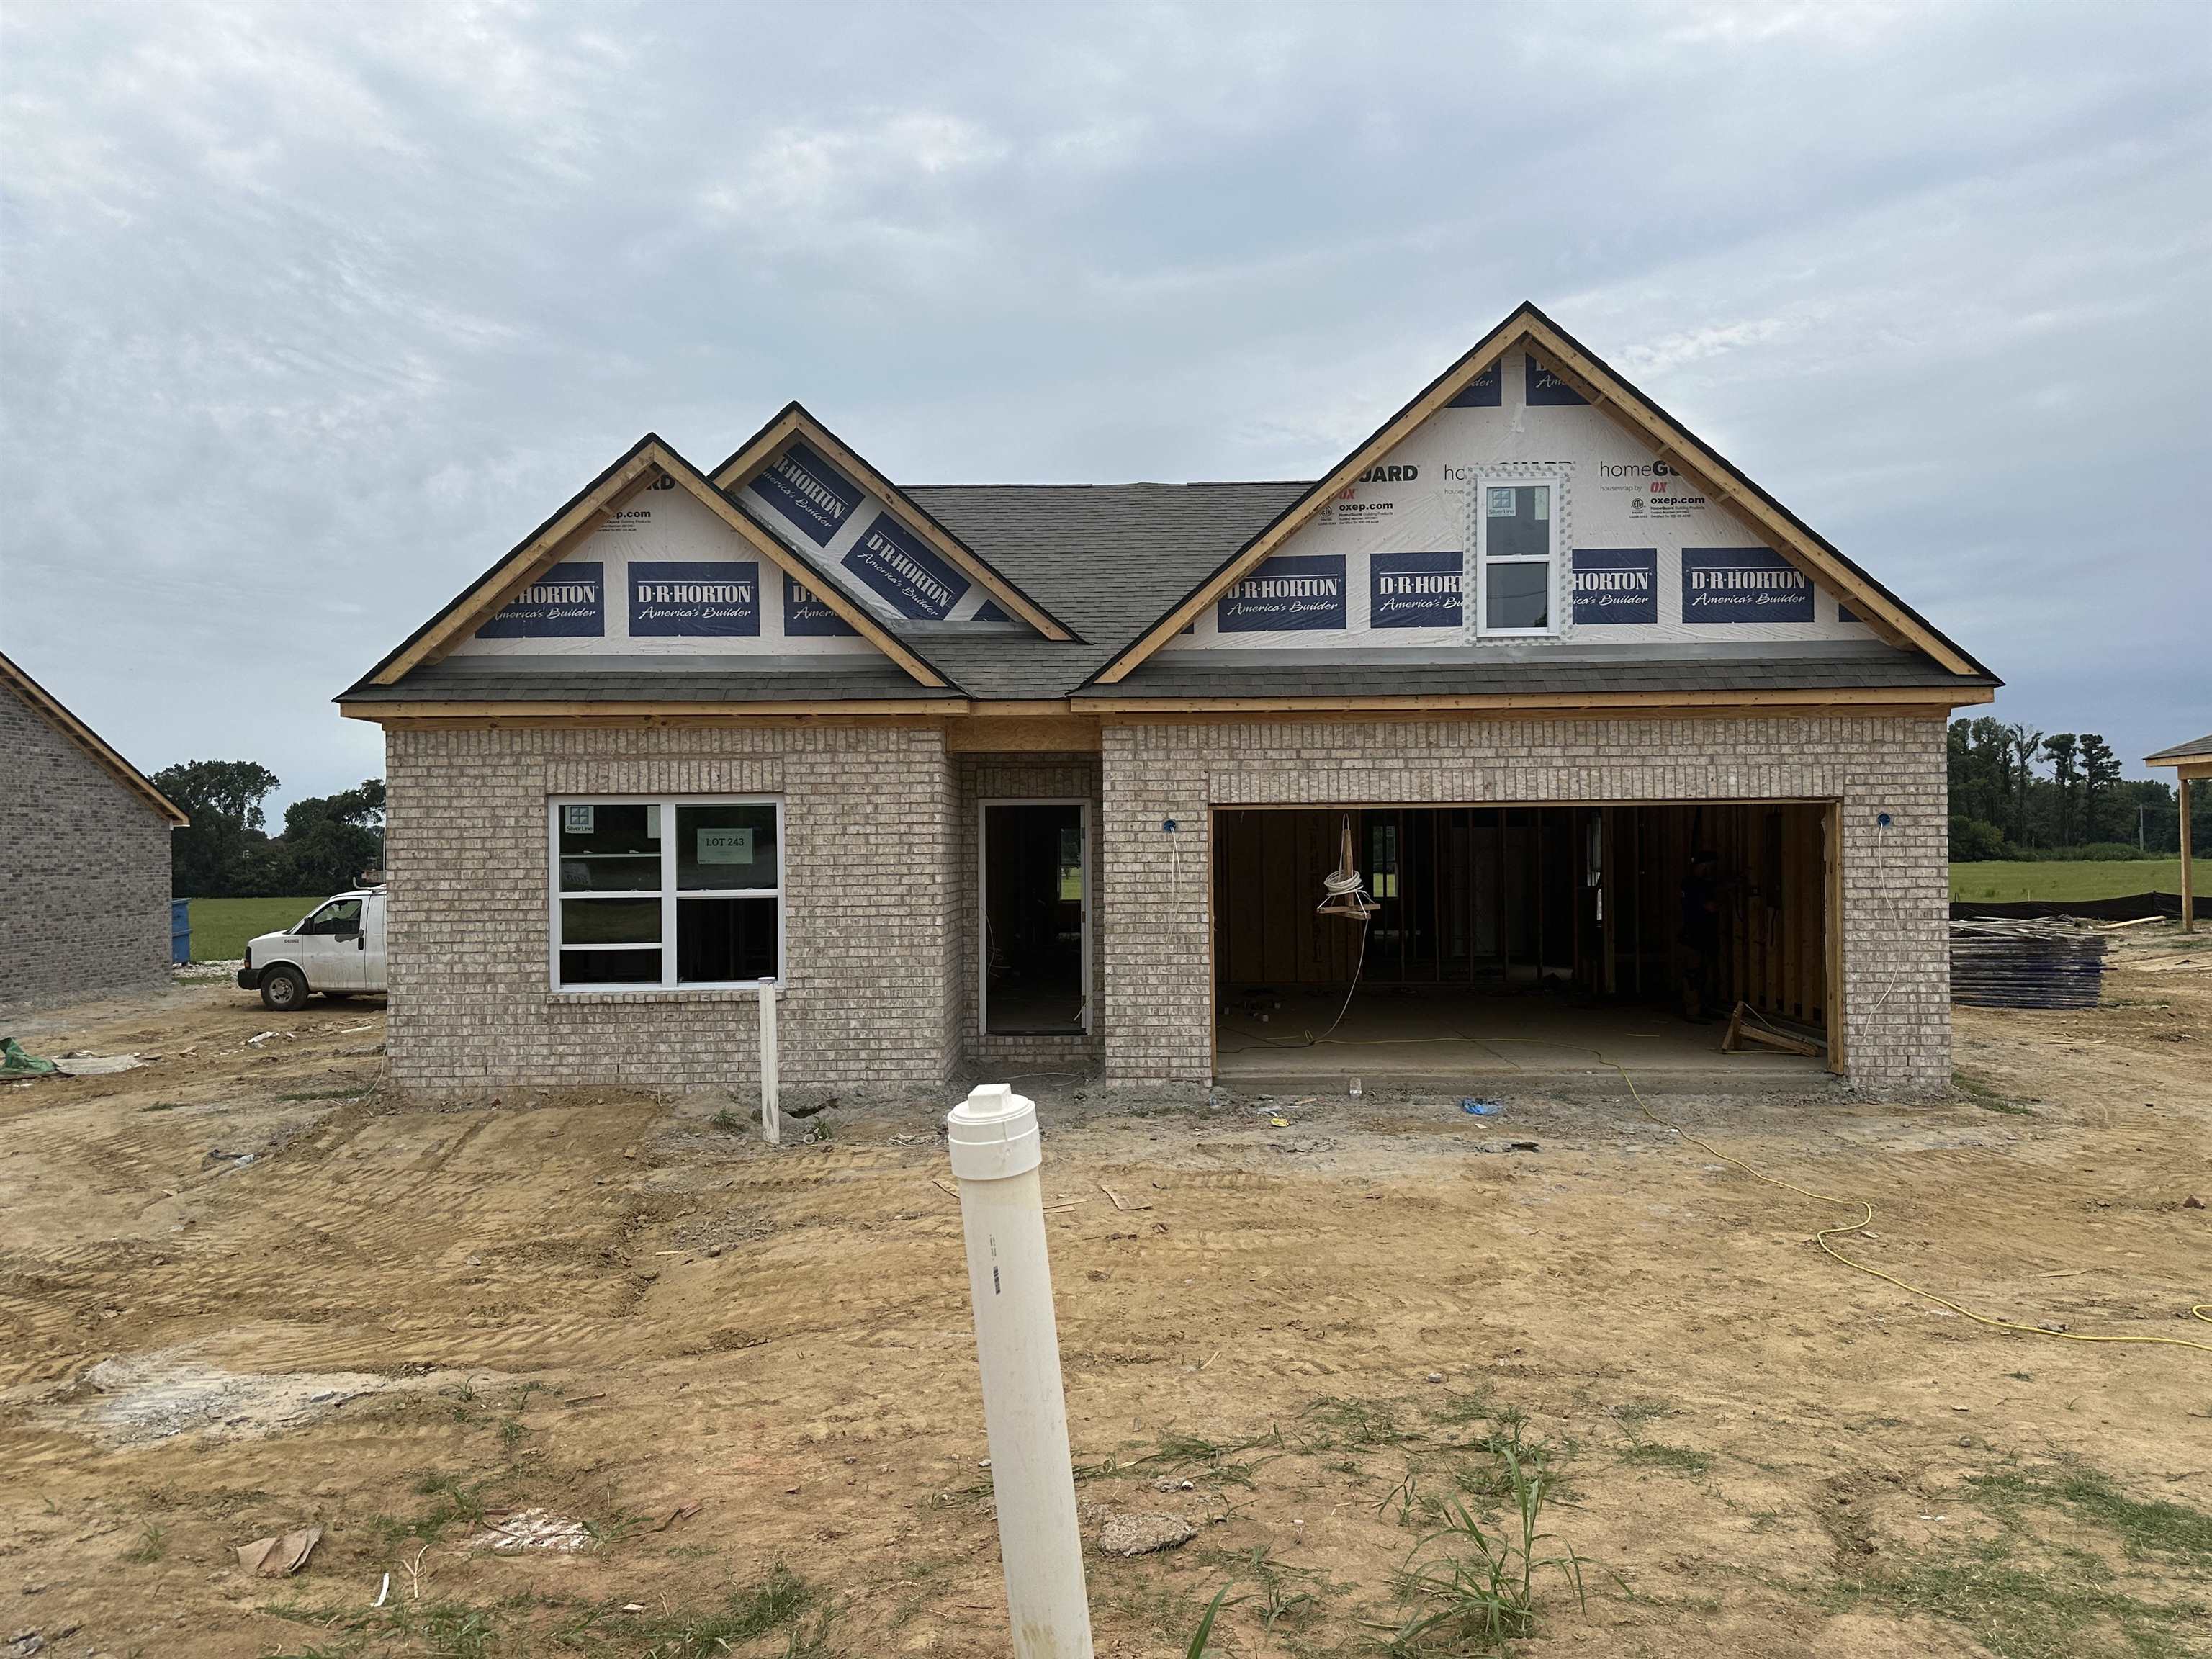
{"x": 180, "y": 930}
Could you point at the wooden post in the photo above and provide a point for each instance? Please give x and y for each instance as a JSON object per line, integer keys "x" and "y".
{"x": 2188, "y": 890}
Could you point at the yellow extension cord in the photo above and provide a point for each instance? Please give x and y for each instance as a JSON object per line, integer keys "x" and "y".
{"x": 2201, "y": 1310}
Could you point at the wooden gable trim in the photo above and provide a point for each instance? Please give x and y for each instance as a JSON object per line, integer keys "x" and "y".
{"x": 1294, "y": 517}
{"x": 796, "y": 422}
{"x": 536, "y": 553}
{"x": 1889, "y": 618}
{"x": 46, "y": 704}
{"x": 1892, "y": 621}
{"x": 558, "y": 536}
{"x": 765, "y": 542}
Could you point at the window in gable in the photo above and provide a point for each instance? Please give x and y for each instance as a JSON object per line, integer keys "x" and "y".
{"x": 1518, "y": 559}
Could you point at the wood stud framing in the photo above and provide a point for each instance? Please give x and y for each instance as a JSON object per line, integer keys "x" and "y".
{"x": 1493, "y": 898}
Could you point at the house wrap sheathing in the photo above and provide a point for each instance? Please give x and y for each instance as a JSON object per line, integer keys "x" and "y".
{"x": 1013, "y": 777}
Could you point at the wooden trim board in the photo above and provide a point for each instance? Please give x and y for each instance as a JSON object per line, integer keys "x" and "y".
{"x": 1000, "y": 725}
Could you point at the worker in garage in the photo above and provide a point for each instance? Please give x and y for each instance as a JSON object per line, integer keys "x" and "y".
{"x": 1696, "y": 943}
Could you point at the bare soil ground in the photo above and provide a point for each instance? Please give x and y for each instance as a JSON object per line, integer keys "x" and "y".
{"x": 402, "y": 1324}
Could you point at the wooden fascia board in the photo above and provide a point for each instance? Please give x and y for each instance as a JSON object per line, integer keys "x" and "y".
{"x": 1725, "y": 489}
{"x": 1930, "y": 701}
{"x": 519, "y": 569}
{"x": 46, "y": 704}
{"x": 380, "y": 713}
{"x": 1934, "y": 698}
{"x": 764, "y": 543}
{"x": 755, "y": 453}
{"x": 1715, "y": 475}
{"x": 797, "y": 423}
{"x": 2193, "y": 769}
{"x": 1446, "y": 387}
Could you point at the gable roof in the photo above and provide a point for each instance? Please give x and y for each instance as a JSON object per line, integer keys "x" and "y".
{"x": 537, "y": 552}
{"x": 1079, "y": 570}
{"x": 1889, "y": 617}
{"x": 793, "y": 420}
{"x": 45, "y": 702}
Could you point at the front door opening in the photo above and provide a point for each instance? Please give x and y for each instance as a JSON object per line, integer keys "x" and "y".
{"x": 1033, "y": 917}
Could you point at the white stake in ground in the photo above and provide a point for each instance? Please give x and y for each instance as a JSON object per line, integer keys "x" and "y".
{"x": 995, "y": 1153}
{"x": 771, "y": 1112}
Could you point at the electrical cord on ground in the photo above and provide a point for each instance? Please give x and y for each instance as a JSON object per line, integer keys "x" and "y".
{"x": 2200, "y": 1311}
{"x": 1308, "y": 1040}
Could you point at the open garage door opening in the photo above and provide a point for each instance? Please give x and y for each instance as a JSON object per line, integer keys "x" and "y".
{"x": 1541, "y": 940}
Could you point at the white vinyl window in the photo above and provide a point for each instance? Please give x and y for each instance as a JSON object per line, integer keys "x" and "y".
{"x": 1517, "y": 558}
{"x": 684, "y": 890}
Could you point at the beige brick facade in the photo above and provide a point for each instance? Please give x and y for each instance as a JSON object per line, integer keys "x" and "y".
{"x": 881, "y": 876}
{"x": 1155, "y": 911}
{"x": 872, "y": 944}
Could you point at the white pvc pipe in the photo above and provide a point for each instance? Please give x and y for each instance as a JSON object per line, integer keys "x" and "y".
{"x": 993, "y": 1135}
{"x": 771, "y": 1113}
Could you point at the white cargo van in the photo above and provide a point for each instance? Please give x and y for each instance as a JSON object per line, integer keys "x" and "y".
{"x": 337, "y": 948}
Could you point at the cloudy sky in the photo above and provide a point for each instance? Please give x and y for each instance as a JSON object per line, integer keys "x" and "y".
{"x": 311, "y": 311}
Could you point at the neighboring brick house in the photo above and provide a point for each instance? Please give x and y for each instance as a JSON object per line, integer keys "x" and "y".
{"x": 84, "y": 858}
{"x": 1042, "y": 778}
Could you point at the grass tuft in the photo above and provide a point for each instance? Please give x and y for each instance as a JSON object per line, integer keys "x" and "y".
{"x": 1678, "y": 1460}
{"x": 1476, "y": 1589}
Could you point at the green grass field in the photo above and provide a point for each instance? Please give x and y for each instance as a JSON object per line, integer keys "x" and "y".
{"x": 2006, "y": 881}
{"x": 220, "y": 926}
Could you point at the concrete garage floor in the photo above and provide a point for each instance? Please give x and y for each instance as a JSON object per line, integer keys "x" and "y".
{"x": 1426, "y": 1039}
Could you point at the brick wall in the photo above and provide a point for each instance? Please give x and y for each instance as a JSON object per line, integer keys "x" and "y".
{"x": 1155, "y": 894}
{"x": 873, "y": 949}
{"x": 84, "y": 870}
{"x": 1017, "y": 777}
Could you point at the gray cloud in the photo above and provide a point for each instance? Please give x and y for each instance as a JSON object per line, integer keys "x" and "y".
{"x": 309, "y": 313}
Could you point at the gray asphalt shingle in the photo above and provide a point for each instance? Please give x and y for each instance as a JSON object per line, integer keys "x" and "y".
{"x": 1190, "y": 675}
{"x": 2180, "y": 751}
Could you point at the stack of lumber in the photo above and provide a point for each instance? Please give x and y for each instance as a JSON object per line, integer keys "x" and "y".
{"x": 2026, "y": 964}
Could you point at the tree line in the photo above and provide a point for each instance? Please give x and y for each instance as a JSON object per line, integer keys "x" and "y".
{"x": 228, "y": 853}
{"x": 2020, "y": 794}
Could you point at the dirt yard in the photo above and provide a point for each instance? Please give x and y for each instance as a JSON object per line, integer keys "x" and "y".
{"x": 242, "y": 1292}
